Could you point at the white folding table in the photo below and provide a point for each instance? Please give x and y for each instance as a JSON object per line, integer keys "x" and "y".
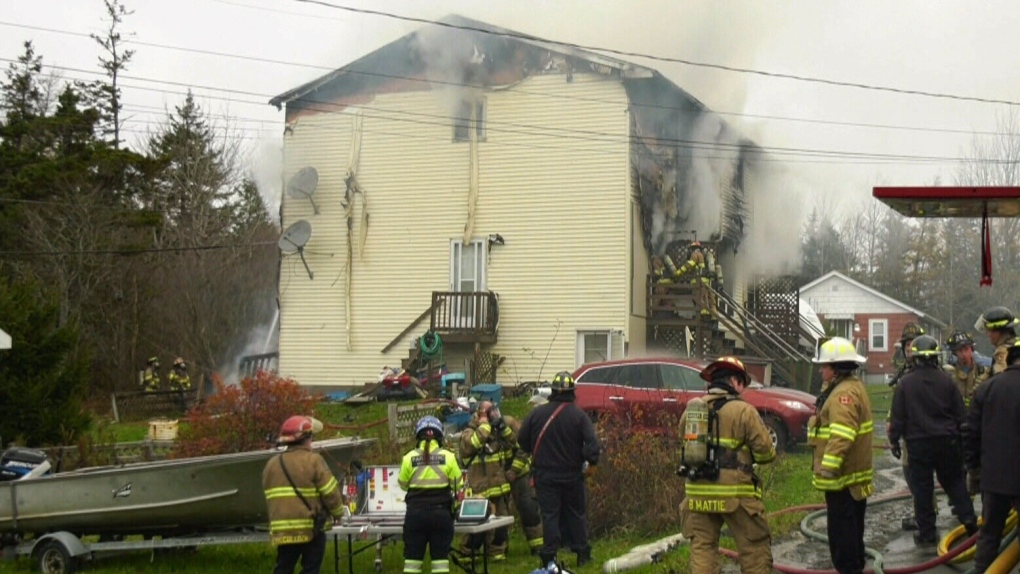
{"x": 385, "y": 527}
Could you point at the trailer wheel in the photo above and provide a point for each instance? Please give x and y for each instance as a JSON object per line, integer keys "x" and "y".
{"x": 54, "y": 558}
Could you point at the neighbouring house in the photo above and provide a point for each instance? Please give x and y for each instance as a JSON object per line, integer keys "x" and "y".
{"x": 870, "y": 318}
{"x": 500, "y": 190}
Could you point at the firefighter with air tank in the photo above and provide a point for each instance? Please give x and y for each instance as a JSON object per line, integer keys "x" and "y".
{"x": 724, "y": 438}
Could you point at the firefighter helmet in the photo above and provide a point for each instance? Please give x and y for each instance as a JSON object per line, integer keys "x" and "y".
{"x": 911, "y": 331}
{"x": 924, "y": 347}
{"x": 428, "y": 427}
{"x": 729, "y": 365}
{"x": 996, "y": 318}
{"x": 297, "y": 428}
{"x": 838, "y": 350}
{"x": 153, "y": 361}
{"x": 958, "y": 340}
{"x": 563, "y": 381}
{"x": 179, "y": 362}
{"x": 695, "y": 243}
{"x": 1013, "y": 353}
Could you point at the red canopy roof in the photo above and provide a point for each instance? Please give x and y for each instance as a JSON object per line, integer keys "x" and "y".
{"x": 951, "y": 201}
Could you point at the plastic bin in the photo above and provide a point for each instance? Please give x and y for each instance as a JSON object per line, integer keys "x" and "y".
{"x": 488, "y": 392}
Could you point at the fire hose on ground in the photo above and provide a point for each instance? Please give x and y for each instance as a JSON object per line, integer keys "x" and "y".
{"x": 1009, "y": 551}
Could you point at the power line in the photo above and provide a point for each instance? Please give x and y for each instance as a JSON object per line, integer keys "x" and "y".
{"x": 135, "y": 251}
{"x": 787, "y": 76}
{"x": 550, "y": 132}
{"x": 520, "y": 90}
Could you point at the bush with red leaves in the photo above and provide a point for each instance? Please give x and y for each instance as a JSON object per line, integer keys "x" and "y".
{"x": 242, "y": 417}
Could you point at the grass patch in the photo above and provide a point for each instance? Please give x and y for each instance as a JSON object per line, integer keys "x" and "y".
{"x": 788, "y": 483}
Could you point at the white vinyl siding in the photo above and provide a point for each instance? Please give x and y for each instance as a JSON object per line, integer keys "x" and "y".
{"x": 878, "y": 335}
{"x": 560, "y": 203}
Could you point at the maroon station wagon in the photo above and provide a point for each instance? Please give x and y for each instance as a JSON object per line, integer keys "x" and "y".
{"x": 650, "y": 384}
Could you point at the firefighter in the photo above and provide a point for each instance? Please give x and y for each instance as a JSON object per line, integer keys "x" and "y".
{"x": 564, "y": 450}
{"x": 724, "y": 488}
{"x": 990, "y": 443}
{"x": 303, "y": 498}
{"x": 841, "y": 433}
{"x": 523, "y": 493}
{"x": 433, "y": 481}
{"x": 150, "y": 377}
{"x": 910, "y": 332}
{"x": 1000, "y": 324}
{"x": 662, "y": 279}
{"x": 179, "y": 379}
{"x": 928, "y": 412}
{"x": 486, "y": 447}
{"x": 966, "y": 373}
{"x": 700, "y": 280}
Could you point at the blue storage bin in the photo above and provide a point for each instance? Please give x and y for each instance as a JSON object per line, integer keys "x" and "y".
{"x": 488, "y": 392}
{"x": 459, "y": 419}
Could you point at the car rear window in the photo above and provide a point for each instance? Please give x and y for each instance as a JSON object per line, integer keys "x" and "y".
{"x": 604, "y": 375}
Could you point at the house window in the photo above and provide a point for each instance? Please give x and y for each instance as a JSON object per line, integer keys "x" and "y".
{"x": 462, "y": 121}
{"x": 878, "y": 335}
{"x": 842, "y": 328}
{"x": 594, "y": 347}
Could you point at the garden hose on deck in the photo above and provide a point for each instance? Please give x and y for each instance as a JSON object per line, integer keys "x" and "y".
{"x": 959, "y": 532}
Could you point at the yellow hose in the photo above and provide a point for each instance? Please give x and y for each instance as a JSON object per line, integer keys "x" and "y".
{"x": 960, "y": 533}
{"x": 1006, "y": 560}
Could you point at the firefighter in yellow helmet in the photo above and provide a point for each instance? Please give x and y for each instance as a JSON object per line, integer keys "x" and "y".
{"x": 487, "y": 447}
{"x": 303, "y": 498}
{"x": 179, "y": 379}
{"x": 704, "y": 300}
{"x": 150, "y": 377}
{"x": 1000, "y": 324}
{"x": 841, "y": 433}
{"x": 965, "y": 372}
{"x": 433, "y": 481}
{"x": 724, "y": 437}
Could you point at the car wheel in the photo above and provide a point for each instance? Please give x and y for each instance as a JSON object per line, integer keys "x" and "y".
{"x": 777, "y": 430}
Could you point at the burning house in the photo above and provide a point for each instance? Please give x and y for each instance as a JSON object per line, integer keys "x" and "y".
{"x": 500, "y": 190}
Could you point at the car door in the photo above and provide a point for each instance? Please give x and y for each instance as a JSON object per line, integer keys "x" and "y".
{"x": 643, "y": 392}
{"x": 598, "y": 390}
{"x": 681, "y": 384}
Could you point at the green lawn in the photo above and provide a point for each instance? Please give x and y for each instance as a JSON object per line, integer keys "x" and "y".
{"x": 787, "y": 483}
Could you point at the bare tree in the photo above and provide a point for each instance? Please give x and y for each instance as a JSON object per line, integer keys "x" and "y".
{"x": 113, "y": 62}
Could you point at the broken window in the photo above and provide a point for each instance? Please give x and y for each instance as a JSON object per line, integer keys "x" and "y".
{"x": 462, "y": 121}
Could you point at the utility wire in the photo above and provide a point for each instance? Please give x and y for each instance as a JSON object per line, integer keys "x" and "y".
{"x": 520, "y": 90}
{"x": 139, "y": 251}
{"x": 550, "y": 132}
{"x": 797, "y": 77}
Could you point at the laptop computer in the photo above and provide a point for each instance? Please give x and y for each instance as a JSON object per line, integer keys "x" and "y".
{"x": 473, "y": 510}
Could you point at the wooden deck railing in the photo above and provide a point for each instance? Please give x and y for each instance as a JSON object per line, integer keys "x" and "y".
{"x": 465, "y": 317}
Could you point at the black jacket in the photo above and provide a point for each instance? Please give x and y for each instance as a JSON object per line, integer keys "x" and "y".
{"x": 926, "y": 404}
{"x": 992, "y": 431}
{"x": 568, "y": 442}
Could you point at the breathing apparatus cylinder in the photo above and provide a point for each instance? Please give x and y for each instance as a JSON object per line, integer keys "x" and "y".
{"x": 669, "y": 264}
{"x": 696, "y": 434}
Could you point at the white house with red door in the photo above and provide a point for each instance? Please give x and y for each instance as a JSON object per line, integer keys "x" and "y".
{"x": 866, "y": 316}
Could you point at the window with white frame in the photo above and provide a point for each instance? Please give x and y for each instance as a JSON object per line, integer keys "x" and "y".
{"x": 842, "y": 328}
{"x": 597, "y": 345}
{"x": 878, "y": 335}
{"x": 467, "y": 275}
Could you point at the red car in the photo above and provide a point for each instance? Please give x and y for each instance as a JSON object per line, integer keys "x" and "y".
{"x": 651, "y": 384}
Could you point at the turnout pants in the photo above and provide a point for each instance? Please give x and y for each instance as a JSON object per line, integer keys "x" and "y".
{"x": 526, "y": 502}
{"x": 750, "y": 531}
{"x": 994, "y": 509}
{"x": 928, "y": 456}
{"x": 497, "y": 539}
{"x": 845, "y": 529}
{"x": 310, "y": 553}
{"x": 563, "y": 500}
{"x": 431, "y": 527}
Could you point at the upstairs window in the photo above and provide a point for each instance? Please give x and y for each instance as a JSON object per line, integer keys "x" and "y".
{"x": 462, "y": 121}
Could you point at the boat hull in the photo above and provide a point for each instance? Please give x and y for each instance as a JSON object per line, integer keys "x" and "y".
{"x": 164, "y": 497}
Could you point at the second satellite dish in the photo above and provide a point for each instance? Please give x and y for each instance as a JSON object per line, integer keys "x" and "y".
{"x": 294, "y": 239}
{"x": 302, "y": 185}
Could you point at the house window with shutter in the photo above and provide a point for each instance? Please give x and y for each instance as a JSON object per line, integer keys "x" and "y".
{"x": 878, "y": 335}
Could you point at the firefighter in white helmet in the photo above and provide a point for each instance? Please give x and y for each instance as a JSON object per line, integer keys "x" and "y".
{"x": 724, "y": 437}
{"x": 840, "y": 433}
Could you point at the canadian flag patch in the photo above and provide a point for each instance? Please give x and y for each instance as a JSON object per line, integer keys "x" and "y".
{"x": 845, "y": 400}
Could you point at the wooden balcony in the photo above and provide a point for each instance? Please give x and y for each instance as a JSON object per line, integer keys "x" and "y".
{"x": 465, "y": 317}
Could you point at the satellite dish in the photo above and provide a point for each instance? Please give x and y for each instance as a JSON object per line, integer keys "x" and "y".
{"x": 294, "y": 239}
{"x": 302, "y": 185}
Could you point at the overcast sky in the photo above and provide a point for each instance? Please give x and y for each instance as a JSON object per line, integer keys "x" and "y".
{"x": 962, "y": 48}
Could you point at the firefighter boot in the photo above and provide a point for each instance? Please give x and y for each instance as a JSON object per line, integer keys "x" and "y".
{"x": 546, "y": 559}
{"x": 583, "y": 556}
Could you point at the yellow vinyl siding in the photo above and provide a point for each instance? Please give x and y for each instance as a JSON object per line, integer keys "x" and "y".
{"x": 561, "y": 203}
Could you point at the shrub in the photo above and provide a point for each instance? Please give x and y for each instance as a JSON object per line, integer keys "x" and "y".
{"x": 636, "y": 488}
{"x": 242, "y": 417}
